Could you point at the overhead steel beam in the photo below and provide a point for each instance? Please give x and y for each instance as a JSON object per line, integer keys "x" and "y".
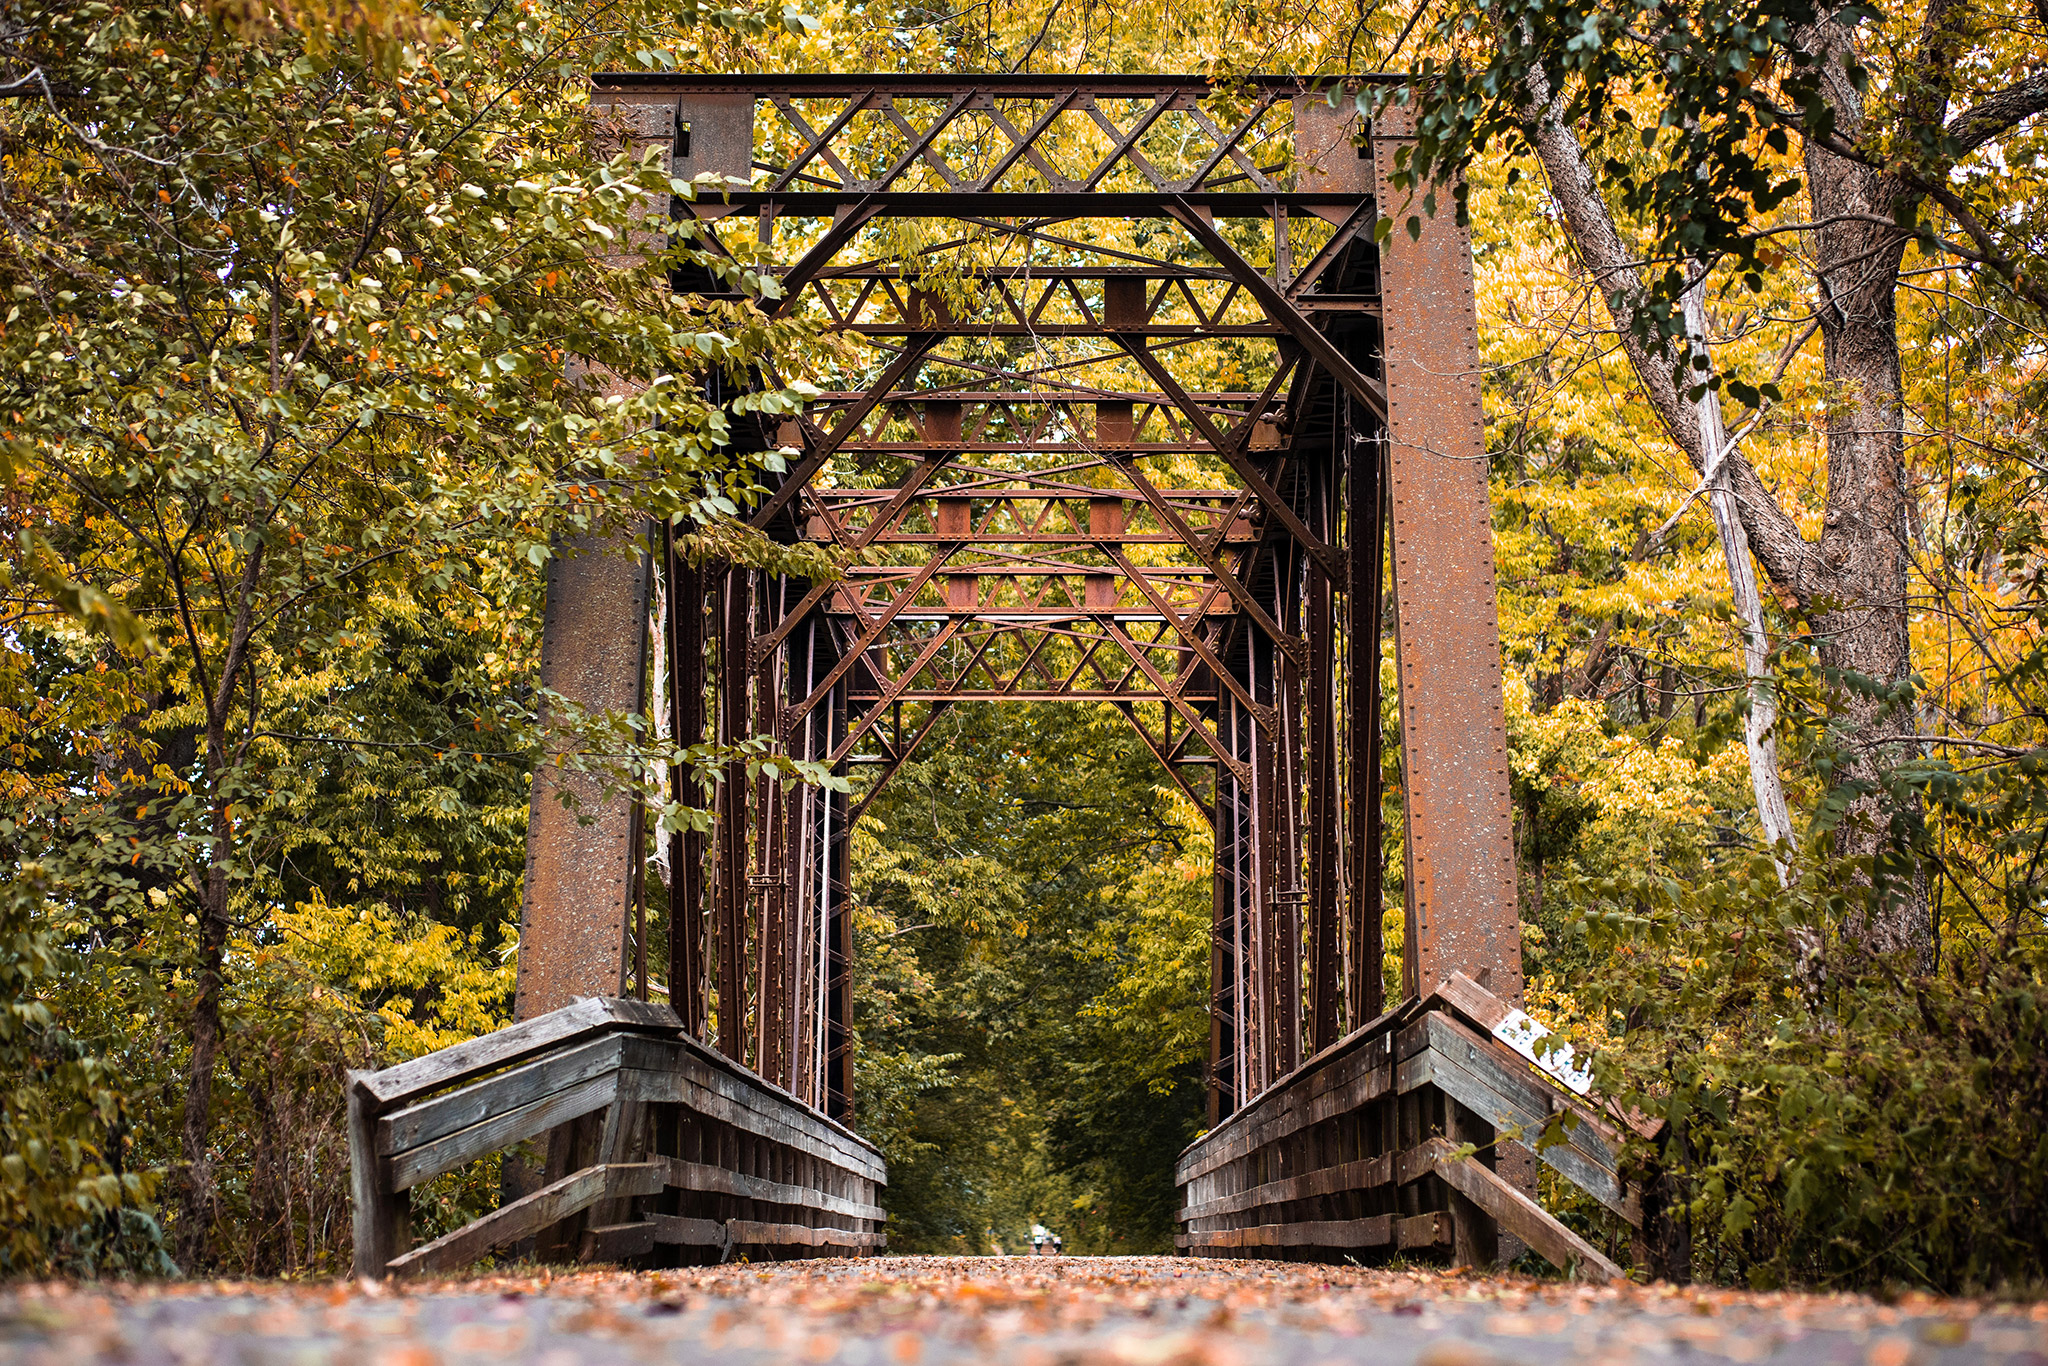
{"x": 849, "y": 421}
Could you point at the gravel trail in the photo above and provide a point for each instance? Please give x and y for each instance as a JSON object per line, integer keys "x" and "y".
{"x": 935, "y": 1311}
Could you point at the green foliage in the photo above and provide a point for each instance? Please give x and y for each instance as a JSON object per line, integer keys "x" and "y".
{"x": 70, "y": 1197}
{"x": 1833, "y": 1123}
{"x": 290, "y": 431}
{"x": 1833, "y": 1118}
{"x": 323, "y": 330}
{"x": 1033, "y": 970}
{"x": 1710, "y": 179}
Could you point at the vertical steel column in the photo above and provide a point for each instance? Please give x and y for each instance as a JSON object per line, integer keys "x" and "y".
{"x": 1325, "y": 961}
{"x": 1236, "y": 861}
{"x": 774, "y": 937}
{"x": 838, "y": 928}
{"x": 685, "y": 643}
{"x": 1281, "y": 848}
{"x": 1460, "y": 849}
{"x": 1261, "y": 950}
{"x": 578, "y": 894}
{"x": 1223, "y": 1033}
{"x": 1365, "y": 518}
{"x": 804, "y": 856}
{"x": 729, "y": 886}
{"x": 1330, "y": 156}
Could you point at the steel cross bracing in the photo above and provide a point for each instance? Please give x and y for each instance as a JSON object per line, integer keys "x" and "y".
{"x": 1129, "y": 410}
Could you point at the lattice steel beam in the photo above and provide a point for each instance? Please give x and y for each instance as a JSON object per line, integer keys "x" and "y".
{"x": 1070, "y": 460}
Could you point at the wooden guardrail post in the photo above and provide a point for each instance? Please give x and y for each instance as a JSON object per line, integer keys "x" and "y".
{"x": 382, "y": 1216}
{"x": 1392, "y": 1128}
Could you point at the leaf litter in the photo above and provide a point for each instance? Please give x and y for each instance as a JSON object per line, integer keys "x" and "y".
{"x": 935, "y": 1311}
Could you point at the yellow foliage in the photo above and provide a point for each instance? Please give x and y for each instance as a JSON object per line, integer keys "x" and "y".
{"x": 433, "y": 984}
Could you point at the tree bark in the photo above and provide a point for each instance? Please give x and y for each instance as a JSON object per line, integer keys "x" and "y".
{"x": 195, "y": 1201}
{"x": 1764, "y": 779}
{"x": 1858, "y": 606}
{"x": 196, "y": 1197}
{"x": 1851, "y": 583}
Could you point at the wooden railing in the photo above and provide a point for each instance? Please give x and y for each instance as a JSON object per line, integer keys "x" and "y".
{"x": 1387, "y": 1140}
{"x": 657, "y": 1147}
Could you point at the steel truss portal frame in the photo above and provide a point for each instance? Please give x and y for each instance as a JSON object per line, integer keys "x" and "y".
{"x": 1138, "y": 413}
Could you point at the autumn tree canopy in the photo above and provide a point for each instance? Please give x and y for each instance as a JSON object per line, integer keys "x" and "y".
{"x": 303, "y": 306}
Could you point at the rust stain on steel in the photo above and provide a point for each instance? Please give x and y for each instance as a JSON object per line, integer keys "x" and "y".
{"x": 572, "y": 927}
{"x": 578, "y": 896}
{"x": 1461, "y": 859}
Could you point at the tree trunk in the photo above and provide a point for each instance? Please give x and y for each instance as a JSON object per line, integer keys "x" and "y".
{"x": 1852, "y": 582}
{"x": 195, "y": 1204}
{"x": 1772, "y": 813}
{"x": 1695, "y": 427}
{"x": 1858, "y": 608}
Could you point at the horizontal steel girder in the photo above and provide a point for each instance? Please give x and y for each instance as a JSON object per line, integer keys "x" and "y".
{"x": 1202, "y": 698}
{"x": 996, "y": 203}
{"x": 1021, "y": 85}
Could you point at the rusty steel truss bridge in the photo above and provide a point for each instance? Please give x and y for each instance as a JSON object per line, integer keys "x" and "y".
{"x": 1129, "y": 405}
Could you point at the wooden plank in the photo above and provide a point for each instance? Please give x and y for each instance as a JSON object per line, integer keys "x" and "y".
{"x": 676, "y": 1088}
{"x": 679, "y": 1089}
{"x": 1516, "y": 1213}
{"x": 754, "y": 1233}
{"x": 1374, "y": 1231}
{"x": 1255, "y": 1106}
{"x": 622, "y": 1139}
{"x": 529, "y": 1214}
{"x": 1411, "y": 1040}
{"x": 501, "y": 1131}
{"x": 1263, "y": 1107}
{"x": 516, "y": 1044}
{"x": 1417, "y": 1163}
{"x": 1425, "y": 1231}
{"x": 1359, "y": 1079}
{"x": 755, "y": 1084}
{"x": 617, "y": 1242}
{"x": 473, "y": 1104}
{"x": 698, "y": 1176}
{"x": 1520, "y": 1032}
{"x": 1581, "y": 1159}
{"x": 1469, "y": 999}
{"x": 669, "y": 1228}
{"x": 1363, "y": 1174}
{"x": 1588, "y": 1171}
{"x": 772, "y": 1103}
{"x": 1504, "y": 1072}
{"x": 744, "y": 1088}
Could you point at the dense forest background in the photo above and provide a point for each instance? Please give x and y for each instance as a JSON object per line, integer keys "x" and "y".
{"x": 288, "y": 438}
